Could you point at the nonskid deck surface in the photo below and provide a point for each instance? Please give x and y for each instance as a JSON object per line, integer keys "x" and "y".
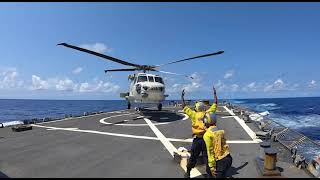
{"x": 121, "y": 144}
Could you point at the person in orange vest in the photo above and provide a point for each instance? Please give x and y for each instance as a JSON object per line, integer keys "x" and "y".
{"x": 219, "y": 158}
{"x": 198, "y": 130}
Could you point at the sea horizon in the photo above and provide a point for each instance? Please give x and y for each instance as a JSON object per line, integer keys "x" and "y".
{"x": 165, "y": 100}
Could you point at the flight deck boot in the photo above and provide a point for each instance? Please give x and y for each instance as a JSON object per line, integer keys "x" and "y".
{"x": 187, "y": 174}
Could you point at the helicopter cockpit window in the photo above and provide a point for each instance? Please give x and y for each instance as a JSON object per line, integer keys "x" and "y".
{"x": 158, "y": 79}
{"x": 151, "y": 79}
{"x": 142, "y": 79}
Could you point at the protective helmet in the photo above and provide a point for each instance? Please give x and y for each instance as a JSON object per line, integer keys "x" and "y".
{"x": 210, "y": 118}
{"x": 200, "y": 106}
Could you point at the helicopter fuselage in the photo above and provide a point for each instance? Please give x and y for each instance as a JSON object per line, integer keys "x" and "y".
{"x": 146, "y": 88}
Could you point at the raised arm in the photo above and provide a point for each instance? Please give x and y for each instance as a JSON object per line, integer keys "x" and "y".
{"x": 214, "y": 105}
{"x": 182, "y": 97}
{"x": 215, "y": 95}
{"x": 186, "y": 109}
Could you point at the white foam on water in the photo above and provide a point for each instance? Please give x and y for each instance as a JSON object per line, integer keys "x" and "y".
{"x": 11, "y": 123}
{"x": 297, "y": 121}
{"x": 268, "y": 104}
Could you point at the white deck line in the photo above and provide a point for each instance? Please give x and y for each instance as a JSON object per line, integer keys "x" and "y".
{"x": 97, "y": 132}
{"x": 170, "y": 147}
{"x": 103, "y": 121}
{"x": 244, "y": 126}
{"x": 134, "y": 136}
{"x": 71, "y": 118}
{"x": 228, "y": 141}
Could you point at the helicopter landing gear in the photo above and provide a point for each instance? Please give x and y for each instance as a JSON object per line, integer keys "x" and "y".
{"x": 138, "y": 109}
{"x": 129, "y": 105}
{"x": 160, "y": 107}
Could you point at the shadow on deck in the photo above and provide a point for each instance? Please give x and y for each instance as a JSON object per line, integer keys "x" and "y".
{"x": 2, "y": 175}
{"x": 234, "y": 170}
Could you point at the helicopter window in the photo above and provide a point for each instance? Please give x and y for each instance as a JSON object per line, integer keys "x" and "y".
{"x": 142, "y": 79}
{"x": 158, "y": 79}
{"x": 151, "y": 79}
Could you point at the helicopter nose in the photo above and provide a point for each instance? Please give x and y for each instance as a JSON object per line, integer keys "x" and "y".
{"x": 157, "y": 88}
{"x": 145, "y": 88}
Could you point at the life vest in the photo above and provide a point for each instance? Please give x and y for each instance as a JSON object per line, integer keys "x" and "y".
{"x": 219, "y": 144}
{"x": 198, "y": 127}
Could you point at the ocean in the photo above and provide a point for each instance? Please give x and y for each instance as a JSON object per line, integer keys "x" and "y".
{"x": 301, "y": 114}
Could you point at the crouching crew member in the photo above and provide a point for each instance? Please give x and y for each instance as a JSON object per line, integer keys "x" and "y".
{"x": 219, "y": 158}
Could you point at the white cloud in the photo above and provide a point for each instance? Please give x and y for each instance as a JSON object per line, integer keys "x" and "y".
{"x": 249, "y": 87}
{"x": 229, "y": 74}
{"x": 85, "y": 87}
{"x": 99, "y": 87}
{"x": 234, "y": 87}
{"x": 222, "y": 87}
{"x": 252, "y": 85}
{"x": 312, "y": 84}
{"x": 278, "y": 84}
{"x": 107, "y": 87}
{"x": 38, "y": 84}
{"x": 77, "y": 70}
{"x": 9, "y": 78}
{"x": 193, "y": 85}
{"x": 97, "y": 47}
{"x": 53, "y": 84}
{"x": 66, "y": 85}
{"x": 275, "y": 86}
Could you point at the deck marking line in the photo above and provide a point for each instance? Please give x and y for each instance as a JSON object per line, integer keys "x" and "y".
{"x": 163, "y": 123}
{"x": 72, "y": 118}
{"x": 133, "y": 136}
{"x": 243, "y": 124}
{"x": 170, "y": 147}
{"x": 228, "y": 141}
{"x": 224, "y": 117}
{"x": 98, "y": 132}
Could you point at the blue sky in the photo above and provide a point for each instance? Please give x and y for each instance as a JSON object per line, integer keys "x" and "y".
{"x": 271, "y": 49}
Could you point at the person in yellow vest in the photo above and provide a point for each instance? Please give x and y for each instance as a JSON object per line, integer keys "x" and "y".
{"x": 198, "y": 130}
{"x": 219, "y": 158}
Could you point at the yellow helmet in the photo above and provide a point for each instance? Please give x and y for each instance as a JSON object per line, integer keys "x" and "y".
{"x": 200, "y": 106}
{"x": 210, "y": 118}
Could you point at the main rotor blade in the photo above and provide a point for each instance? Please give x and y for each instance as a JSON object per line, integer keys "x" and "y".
{"x": 99, "y": 54}
{"x": 205, "y": 55}
{"x": 112, "y": 70}
{"x": 165, "y": 72}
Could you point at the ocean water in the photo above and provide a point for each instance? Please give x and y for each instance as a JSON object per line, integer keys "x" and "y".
{"x": 300, "y": 114}
{"x": 11, "y": 109}
{"x": 20, "y": 109}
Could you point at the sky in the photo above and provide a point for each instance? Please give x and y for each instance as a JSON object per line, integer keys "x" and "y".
{"x": 271, "y": 49}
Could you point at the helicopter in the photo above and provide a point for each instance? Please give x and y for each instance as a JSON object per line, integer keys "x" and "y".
{"x": 144, "y": 88}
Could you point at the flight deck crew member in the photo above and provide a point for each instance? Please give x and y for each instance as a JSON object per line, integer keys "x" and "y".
{"x": 219, "y": 158}
{"x": 198, "y": 130}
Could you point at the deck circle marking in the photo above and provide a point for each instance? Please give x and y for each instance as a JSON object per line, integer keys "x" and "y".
{"x": 104, "y": 122}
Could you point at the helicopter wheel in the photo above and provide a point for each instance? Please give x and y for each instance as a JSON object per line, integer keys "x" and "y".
{"x": 160, "y": 107}
{"x": 129, "y": 105}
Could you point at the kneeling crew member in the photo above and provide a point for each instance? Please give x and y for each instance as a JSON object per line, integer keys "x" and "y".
{"x": 219, "y": 158}
{"x": 198, "y": 129}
